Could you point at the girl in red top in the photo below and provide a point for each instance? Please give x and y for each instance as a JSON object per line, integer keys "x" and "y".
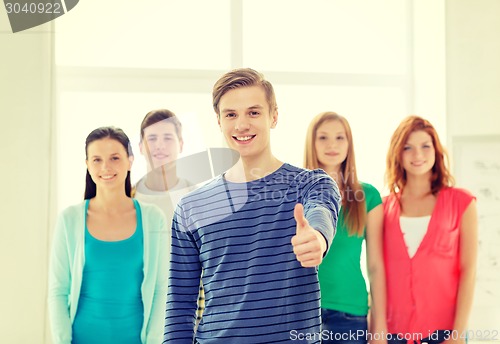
{"x": 430, "y": 240}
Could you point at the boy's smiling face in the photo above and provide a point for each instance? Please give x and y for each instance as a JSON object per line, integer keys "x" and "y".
{"x": 245, "y": 120}
{"x": 161, "y": 144}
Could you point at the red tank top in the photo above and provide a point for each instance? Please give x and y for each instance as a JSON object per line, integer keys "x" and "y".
{"x": 422, "y": 290}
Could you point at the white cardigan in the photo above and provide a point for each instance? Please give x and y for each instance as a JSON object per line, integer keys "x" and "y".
{"x": 66, "y": 269}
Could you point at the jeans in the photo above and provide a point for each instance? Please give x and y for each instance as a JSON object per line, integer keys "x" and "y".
{"x": 436, "y": 337}
{"x": 342, "y": 328}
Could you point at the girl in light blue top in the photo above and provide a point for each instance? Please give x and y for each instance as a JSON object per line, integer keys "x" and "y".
{"x": 108, "y": 268}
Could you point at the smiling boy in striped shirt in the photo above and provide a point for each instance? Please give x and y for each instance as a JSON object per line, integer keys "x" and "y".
{"x": 258, "y": 232}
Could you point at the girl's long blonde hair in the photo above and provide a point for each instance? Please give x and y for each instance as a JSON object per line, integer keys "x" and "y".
{"x": 353, "y": 206}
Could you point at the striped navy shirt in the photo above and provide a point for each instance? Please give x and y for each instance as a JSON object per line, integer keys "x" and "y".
{"x": 239, "y": 235}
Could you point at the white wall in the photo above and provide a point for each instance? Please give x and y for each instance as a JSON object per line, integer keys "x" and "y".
{"x": 473, "y": 103}
{"x": 473, "y": 66}
{"x": 26, "y": 115}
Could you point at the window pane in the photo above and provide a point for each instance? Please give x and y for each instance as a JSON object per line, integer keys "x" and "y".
{"x": 146, "y": 34}
{"x": 342, "y": 36}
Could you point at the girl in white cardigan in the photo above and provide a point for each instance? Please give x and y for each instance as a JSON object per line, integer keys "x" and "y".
{"x": 108, "y": 267}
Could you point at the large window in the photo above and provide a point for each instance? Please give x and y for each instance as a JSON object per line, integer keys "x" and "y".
{"x": 355, "y": 57}
{"x": 156, "y": 34}
{"x": 346, "y": 37}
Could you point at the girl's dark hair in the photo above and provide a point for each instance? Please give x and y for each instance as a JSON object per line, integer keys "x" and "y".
{"x": 102, "y": 133}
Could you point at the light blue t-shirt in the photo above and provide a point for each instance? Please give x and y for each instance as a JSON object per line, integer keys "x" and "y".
{"x": 110, "y": 308}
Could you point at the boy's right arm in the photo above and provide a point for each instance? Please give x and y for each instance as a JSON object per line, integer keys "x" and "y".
{"x": 184, "y": 283}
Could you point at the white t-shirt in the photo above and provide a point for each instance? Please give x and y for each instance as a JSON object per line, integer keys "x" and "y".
{"x": 165, "y": 200}
{"x": 414, "y": 229}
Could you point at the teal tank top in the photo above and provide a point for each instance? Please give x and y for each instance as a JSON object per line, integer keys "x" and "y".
{"x": 110, "y": 308}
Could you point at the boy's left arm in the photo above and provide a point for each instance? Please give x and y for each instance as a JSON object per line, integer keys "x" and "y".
{"x": 316, "y": 217}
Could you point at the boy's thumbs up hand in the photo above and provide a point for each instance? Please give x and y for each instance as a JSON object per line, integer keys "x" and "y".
{"x": 308, "y": 244}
